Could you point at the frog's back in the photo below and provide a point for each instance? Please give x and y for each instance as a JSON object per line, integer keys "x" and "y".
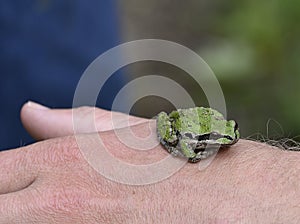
{"x": 197, "y": 120}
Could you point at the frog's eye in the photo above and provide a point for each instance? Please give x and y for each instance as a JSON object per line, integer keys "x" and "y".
{"x": 206, "y": 136}
{"x": 236, "y": 127}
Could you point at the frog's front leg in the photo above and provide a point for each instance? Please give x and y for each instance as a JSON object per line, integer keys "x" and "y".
{"x": 186, "y": 148}
{"x": 206, "y": 152}
{"x": 173, "y": 150}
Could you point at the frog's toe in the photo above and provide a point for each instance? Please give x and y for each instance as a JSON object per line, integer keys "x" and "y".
{"x": 194, "y": 160}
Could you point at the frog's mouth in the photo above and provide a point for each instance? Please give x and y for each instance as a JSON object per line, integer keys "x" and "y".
{"x": 208, "y": 136}
{"x": 210, "y": 139}
{"x": 214, "y": 136}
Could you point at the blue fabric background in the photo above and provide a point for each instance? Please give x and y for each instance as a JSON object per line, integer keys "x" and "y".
{"x": 45, "y": 47}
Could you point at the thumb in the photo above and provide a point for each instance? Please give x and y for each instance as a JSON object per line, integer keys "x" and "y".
{"x": 42, "y": 122}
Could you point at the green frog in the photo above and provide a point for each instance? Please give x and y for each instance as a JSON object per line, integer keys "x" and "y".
{"x": 195, "y": 133}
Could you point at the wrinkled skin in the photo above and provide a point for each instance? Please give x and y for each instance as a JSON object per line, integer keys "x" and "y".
{"x": 50, "y": 182}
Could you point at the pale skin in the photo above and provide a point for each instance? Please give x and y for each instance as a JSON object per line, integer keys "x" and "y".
{"x": 50, "y": 182}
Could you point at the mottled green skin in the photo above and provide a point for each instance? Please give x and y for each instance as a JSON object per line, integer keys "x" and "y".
{"x": 195, "y": 133}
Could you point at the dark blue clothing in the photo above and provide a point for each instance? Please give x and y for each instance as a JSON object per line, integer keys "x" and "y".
{"x": 45, "y": 46}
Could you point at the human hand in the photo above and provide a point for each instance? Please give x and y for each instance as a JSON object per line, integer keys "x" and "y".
{"x": 50, "y": 182}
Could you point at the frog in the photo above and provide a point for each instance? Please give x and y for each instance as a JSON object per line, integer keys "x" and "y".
{"x": 195, "y": 133}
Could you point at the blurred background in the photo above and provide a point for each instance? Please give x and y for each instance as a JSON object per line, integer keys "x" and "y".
{"x": 45, "y": 46}
{"x": 252, "y": 46}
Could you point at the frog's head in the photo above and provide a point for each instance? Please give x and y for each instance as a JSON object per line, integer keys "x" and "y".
{"x": 228, "y": 135}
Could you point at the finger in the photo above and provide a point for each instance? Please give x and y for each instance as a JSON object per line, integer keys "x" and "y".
{"x": 43, "y": 123}
{"x": 17, "y": 170}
